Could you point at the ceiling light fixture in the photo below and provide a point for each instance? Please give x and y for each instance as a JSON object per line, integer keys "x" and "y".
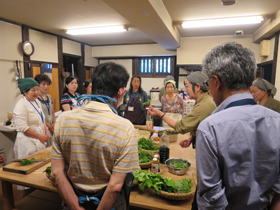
{"x": 96, "y": 30}
{"x": 222, "y": 22}
{"x": 228, "y": 2}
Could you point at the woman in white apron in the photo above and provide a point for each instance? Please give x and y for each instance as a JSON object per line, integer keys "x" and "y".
{"x": 69, "y": 99}
{"x": 29, "y": 120}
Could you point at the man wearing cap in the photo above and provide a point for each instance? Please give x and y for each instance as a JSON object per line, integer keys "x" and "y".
{"x": 163, "y": 90}
{"x": 238, "y": 146}
{"x": 263, "y": 92}
{"x": 204, "y": 106}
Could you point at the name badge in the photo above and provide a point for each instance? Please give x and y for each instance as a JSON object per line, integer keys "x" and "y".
{"x": 130, "y": 108}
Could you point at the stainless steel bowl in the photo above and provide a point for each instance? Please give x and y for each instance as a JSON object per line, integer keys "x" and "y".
{"x": 172, "y": 161}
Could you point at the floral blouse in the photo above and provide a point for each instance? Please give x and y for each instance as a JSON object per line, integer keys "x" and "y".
{"x": 172, "y": 106}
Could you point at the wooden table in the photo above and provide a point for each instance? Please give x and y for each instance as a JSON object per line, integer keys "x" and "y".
{"x": 38, "y": 180}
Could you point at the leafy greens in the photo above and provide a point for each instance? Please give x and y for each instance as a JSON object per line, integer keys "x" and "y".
{"x": 147, "y": 144}
{"x": 145, "y": 157}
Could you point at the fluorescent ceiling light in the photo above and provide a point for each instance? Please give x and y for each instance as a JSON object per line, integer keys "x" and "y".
{"x": 96, "y": 30}
{"x": 222, "y": 22}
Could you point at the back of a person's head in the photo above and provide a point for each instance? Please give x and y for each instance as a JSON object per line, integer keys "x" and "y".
{"x": 234, "y": 64}
{"x": 108, "y": 78}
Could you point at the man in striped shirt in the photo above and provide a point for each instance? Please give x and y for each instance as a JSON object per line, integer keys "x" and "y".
{"x": 98, "y": 147}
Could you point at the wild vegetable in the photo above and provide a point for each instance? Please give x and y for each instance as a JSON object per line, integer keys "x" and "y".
{"x": 48, "y": 171}
{"x": 27, "y": 162}
{"x": 168, "y": 132}
{"x": 146, "y": 103}
{"x": 180, "y": 165}
{"x": 147, "y": 144}
{"x": 158, "y": 182}
{"x": 145, "y": 157}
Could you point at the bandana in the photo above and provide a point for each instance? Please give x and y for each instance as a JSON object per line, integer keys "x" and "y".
{"x": 265, "y": 85}
{"x": 198, "y": 78}
{"x": 26, "y": 84}
{"x": 170, "y": 81}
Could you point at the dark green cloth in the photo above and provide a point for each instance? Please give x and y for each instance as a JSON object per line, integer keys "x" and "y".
{"x": 26, "y": 84}
{"x": 273, "y": 104}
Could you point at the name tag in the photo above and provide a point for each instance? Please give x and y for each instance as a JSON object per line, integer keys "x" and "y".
{"x": 130, "y": 108}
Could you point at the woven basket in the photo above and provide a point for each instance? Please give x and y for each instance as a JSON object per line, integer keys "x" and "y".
{"x": 142, "y": 134}
{"x": 145, "y": 165}
{"x": 151, "y": 151}
{"x": 175, "y": 196}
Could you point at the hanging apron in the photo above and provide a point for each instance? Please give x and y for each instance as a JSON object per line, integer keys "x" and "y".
{"x": 134, "y": 112}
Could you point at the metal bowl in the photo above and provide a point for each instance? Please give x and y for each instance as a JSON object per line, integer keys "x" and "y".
{"x": 172, "y": 161}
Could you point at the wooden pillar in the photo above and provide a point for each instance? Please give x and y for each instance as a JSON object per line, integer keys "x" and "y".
{"x": 25, "y": 37}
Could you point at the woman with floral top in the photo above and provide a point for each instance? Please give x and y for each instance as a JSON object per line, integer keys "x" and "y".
{"x": 172, "y": 102}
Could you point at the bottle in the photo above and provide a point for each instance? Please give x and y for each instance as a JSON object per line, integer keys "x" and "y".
{"x": 164, "y": 148}
{"x": 149, "y": 122}
{"x": 155, "y": 166}
{"x": 157, "y": 157}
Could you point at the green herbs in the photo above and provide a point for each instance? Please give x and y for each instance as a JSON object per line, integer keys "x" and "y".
{"x": 180, "y": 165}
{"x": 168, "y": 132}
{"x": 158, "y": 182}
{"x": 48, "y": 171}
{"x": 27, "y": 162}
{"x": 147, "y": 144}
{"x": 146, "y": 103}
{"x": 145, "y": 157}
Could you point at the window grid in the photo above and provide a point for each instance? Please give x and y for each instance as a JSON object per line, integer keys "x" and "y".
{"x": 163, "y": 65}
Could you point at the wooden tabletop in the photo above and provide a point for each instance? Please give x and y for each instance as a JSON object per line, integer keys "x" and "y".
{"x": 38, "y": 180}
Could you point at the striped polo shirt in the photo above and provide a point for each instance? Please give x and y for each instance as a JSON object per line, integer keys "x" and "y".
{"x": 94, "y": 142}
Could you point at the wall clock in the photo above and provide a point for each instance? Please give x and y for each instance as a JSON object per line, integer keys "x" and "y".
{"x": 27, "y": 48}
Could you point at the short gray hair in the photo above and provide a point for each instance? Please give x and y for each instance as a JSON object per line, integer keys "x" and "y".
{"x": 234, "y": 64}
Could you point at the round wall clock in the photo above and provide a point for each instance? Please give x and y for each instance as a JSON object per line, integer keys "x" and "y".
{"x": 27, "y": 48}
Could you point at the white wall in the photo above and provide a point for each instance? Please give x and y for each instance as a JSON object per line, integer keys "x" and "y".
{"x": 277, "y": 78}
{"x": 89, "y": 60}
{"x": 193, "y": 49}
{"x": 45, "y": 46}
{"x": 130, "y": 50}
{"x": 10, "y": 45}
{"x": 71, "y": 47}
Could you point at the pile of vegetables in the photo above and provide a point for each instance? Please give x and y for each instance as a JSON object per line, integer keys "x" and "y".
{"x": 180, "y": 165}
{"x": 147, "y": 144}
{"x": 27, "y": 162}
{"x": 145, "y": 157}
{"x": 158, "y": 182}
{"x": 48, "y": 171}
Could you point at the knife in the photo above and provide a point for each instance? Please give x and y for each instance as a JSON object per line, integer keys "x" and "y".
{"x": 36, "y": 160}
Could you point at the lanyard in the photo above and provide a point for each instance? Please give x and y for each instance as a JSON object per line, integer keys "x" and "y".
{"x": 246, "y": 101}
{"x": 47, "y": 104}
{"x": 40, "y": 113}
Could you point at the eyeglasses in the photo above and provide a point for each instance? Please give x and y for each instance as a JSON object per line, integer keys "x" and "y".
{"x": 206, "y": 82}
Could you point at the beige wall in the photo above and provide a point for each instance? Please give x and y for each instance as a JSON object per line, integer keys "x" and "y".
{"x": 277, "y": 79}
{"x": 45, "y": 46}
{"x": 89, "y": 60}
{"x": 10, "y": 45}
{"x": 130, "y": 50}
{"x": 193, "y": 49}
{"x": 71, "y": 47}
{"x": 271, "y": 51}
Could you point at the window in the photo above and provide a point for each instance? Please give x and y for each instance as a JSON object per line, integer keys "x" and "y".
{"x": 154, "y": 66}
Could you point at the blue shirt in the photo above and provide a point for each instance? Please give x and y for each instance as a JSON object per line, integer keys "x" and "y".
{"x": 237, "y": 154}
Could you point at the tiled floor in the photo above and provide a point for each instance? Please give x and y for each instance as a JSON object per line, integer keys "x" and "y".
{"x": 37, "y": 200}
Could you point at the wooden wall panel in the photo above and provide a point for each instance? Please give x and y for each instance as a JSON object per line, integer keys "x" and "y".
{"x": 87, "y": 74}
{"x": 54, "y": 90}
{"x": 36, "y": 70}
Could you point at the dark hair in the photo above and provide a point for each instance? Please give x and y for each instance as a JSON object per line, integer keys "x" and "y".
{"x": 108, "y": 78}
{"x": 193, "y": 88}
{"x": 67, "y": 81}
{"x": 86, "y": 83}
{"x": 131, "y": 88}
{"x": 43, "y": 78}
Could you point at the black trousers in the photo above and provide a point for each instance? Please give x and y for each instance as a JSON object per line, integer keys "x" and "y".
{"x": 194, "y": 203}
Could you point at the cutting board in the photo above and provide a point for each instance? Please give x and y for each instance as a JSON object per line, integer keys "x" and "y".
{"x": 16, "y": 167}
